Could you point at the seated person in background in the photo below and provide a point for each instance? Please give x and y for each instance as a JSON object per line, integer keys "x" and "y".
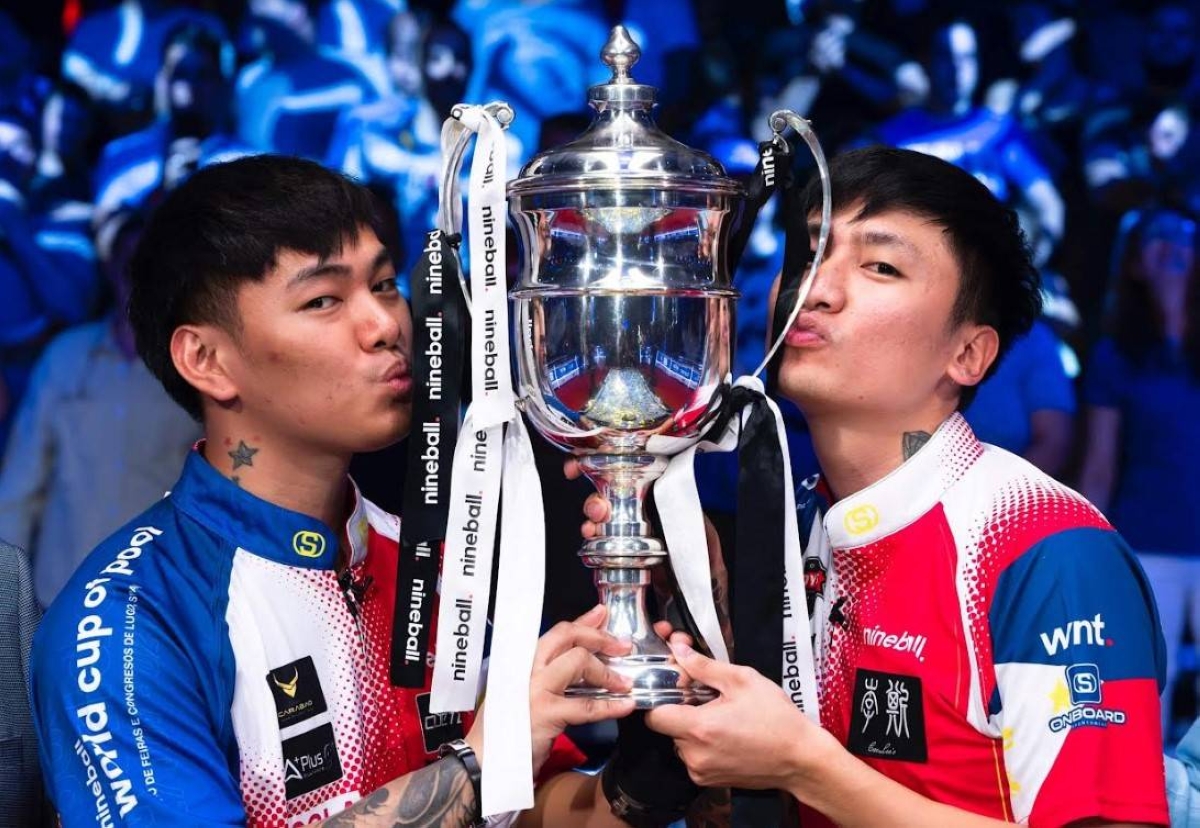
{"x": 92, "y": 414}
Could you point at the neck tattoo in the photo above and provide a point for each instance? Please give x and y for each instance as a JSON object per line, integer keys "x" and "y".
{"x": 912, "y": 441}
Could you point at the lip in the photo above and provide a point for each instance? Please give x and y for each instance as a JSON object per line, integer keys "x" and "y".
{"x": 399, "y": 379}
{"x": 804, "y": 333}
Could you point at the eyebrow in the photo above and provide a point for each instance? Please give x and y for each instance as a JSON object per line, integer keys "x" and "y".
{"x": 874, "y": 238}
{"x": 324, "y": 268}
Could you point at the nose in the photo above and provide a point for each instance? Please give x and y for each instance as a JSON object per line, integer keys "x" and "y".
{"x": 828, "y": 287}
{"x": 379, "y": 323}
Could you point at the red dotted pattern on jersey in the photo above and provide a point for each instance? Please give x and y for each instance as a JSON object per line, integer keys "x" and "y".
{"x": 317, "y": 594}
{"x": 1023, "y": 512}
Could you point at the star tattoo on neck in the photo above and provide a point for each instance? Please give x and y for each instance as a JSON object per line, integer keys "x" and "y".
{"x": 243, "y": 455}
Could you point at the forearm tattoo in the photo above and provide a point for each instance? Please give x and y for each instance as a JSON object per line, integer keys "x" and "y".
{"x": 437, "y": 796}
{"x": 912, "y": 441}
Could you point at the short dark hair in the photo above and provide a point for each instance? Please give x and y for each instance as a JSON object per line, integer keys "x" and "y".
{"x": 999, "y": 284}
{"x": 225, "y": 226}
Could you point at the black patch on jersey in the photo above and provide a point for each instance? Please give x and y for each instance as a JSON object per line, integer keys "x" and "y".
{"x": 297, "y": 692}
{"x": 437, "y": 728}
{"x": 888, "y": 717}
{"x": 814, "y": 581}
{"x": 310, "y": 760}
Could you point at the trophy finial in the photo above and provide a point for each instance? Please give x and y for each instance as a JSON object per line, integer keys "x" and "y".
{"x": 620, "y": 53}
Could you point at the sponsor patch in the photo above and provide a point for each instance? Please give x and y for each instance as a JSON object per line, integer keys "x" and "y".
{"x": 310, "y": 760}
{"x": 1083, "y": 683}
{"x": 1086, "y": 632}
{"x": 437, "y": 728}
{"x": 297, "y": 692}
{"x": 888, "y": 717}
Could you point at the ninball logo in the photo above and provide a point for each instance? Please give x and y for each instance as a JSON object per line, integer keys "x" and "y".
{"x": 905, "y": 642}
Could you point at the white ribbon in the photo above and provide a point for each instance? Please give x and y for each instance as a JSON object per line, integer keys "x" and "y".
{"x": 466, "y": 583}
{"x": 487, "y": 460}
{"x": 508, "y": 746}
{"x": 683, "y": 529}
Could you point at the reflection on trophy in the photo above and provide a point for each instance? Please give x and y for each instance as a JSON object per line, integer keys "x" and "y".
{"x": 624, "y": 313}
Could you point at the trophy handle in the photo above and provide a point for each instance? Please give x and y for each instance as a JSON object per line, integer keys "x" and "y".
{"x": 780, "y": 120}
{"x": 449, "y": 218}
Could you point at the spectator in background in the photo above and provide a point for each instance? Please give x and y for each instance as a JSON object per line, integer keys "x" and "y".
{"x": 48, "y": 274}
{"x": 1028, "y": 405}
{"x": 1183, "y": 780}
{"x": 193, "y": 126}
{"x": 115, "y": 53}
{"x": 1143, "y": 146}
{"x": 358, "y": 31}
{"x": 394, "y": 144}
{"x": 289, "y": 99}
{"x": 70, "y": 146}
{"x": 1142, "y": 391}
{"x": 21, "y": 801}
{"x": 541, "y": 63}
{"x": 92, "y": 412}
{"x": 989, "y": 145}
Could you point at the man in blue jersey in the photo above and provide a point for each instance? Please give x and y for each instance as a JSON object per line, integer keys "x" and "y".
{"x": 223, "y": 658}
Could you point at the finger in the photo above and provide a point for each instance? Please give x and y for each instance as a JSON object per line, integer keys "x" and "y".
{"x": 674, "y": 720}
{"x": 577, "y": 710}
{"x": 579, "y": 665}
{"x": 596, "y": 508}
{"x": 587, "y": 530}
{"x": 664, "y": 629}
{"x": 571, "y": 468}
{"x": 563, "y": 636}
{"x": 703, "y": 669}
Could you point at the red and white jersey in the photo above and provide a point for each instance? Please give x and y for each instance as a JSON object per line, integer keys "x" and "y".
{"x": 985, "y": 638}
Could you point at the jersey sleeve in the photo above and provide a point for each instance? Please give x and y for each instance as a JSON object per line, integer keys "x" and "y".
{"x": 126, "y": 701}
{"x": 1079, "y": 660}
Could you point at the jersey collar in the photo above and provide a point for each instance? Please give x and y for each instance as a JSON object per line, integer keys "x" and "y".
{"x": 261, "y": 527}
{"x": 910, "y": 491}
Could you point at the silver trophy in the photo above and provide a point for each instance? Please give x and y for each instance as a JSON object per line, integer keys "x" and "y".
{"x": 624, "y": 319}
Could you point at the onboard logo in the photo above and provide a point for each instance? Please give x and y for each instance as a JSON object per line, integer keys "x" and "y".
{"x": 1076, "y": 633}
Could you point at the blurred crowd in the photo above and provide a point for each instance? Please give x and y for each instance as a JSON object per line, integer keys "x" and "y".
{"x": 1078, "y": 115}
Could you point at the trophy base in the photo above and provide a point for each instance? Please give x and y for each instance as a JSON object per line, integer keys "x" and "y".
{"x": 645, "y": 699}
{"x": 657, "y": 680}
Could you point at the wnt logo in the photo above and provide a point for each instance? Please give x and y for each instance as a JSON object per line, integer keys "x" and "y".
{"x": 1075, "y": 633}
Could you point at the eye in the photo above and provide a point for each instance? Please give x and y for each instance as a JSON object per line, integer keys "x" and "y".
{"x": 388, "y": 285}
{"x": 883, "y": 269}
{"x": 320, "y": 303}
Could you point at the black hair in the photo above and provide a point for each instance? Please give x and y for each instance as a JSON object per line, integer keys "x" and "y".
{"x": 223, "y": 227}
{"x": 999, "y": 285}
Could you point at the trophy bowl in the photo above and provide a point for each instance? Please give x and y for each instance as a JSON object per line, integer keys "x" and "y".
{"x": 624, "y": 315}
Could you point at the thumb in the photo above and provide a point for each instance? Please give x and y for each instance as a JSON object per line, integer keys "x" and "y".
{"x": 702, "y": 668}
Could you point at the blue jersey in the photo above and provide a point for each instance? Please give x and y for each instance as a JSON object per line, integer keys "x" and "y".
{"x": 206, "y": 666}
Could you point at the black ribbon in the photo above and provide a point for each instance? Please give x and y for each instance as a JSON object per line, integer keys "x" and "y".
{"x": 757, "y": 569}
{"x": 439, "y": 316}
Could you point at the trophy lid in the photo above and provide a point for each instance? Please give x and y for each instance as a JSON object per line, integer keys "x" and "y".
{"x": 623, "y": 145}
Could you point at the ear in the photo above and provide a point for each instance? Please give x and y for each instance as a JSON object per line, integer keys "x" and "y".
{"x": 977, "y": 349}
{"x": 201, "y": 354}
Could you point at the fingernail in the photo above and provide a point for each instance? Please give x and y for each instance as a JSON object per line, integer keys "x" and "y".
{"x": 594, "y": 611}
{"x": 681, "y": 649}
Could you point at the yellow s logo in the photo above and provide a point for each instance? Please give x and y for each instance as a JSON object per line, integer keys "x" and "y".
{"x": 861, "y": 519}
{"x": 308, "y": 544}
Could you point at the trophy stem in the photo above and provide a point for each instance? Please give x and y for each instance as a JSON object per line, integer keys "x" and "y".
{"x": 622, "y": 555}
